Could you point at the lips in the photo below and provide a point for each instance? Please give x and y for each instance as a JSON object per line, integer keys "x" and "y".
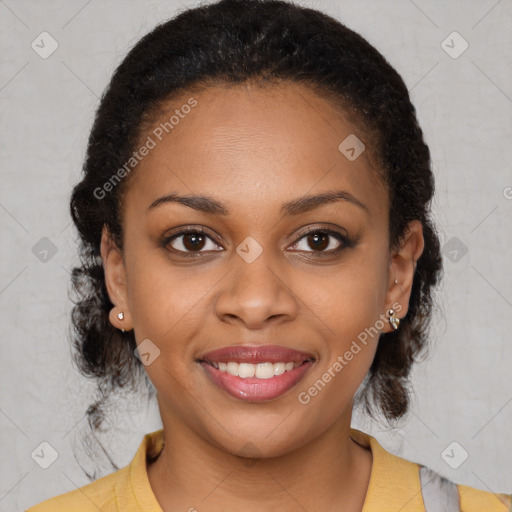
{"x": 258, "y": 385}
{"x": 254, "y": 355}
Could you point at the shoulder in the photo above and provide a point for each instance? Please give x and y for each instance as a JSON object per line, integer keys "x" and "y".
{"x": 98, "y": 496}
{"x": 400, "y": 484}
{"x": 125, "y": 490}
{"x": 476, "y": 500}
{"x": 439, "y": 491}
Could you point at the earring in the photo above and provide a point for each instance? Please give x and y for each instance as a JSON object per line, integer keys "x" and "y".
{"x": 121, "y": 317}
{"x": 396, "y": 282}
{"x": 393, "y": 320}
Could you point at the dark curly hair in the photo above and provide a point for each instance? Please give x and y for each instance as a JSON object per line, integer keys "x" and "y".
{"x": 230, "y": 42}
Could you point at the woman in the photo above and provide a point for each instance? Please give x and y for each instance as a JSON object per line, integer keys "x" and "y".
{"x": 257, "y": 240}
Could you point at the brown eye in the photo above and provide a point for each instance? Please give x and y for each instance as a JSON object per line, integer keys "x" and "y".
{"x": 321, "y": 241}
{"x": 318, "y": 240}
{"x": 191, "y": 241}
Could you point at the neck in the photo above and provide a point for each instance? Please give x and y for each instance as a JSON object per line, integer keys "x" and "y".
{"x": 194, "y": 473}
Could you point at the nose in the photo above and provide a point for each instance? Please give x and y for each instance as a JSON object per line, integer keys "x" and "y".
{"x": 256, "y": 294}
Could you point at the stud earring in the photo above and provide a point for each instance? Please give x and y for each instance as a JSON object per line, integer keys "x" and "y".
{"x": 121, "y": 317}
{"x": 393, "y": 320}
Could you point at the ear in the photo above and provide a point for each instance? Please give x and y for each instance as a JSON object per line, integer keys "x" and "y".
{"x": 402, "y": 268}
{"x": 115, "y": 280}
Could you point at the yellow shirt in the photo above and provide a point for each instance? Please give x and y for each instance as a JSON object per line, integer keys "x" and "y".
{"x": 394, "y": 486}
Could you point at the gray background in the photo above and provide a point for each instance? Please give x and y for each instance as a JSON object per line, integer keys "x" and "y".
{"x": 462, "y": 392}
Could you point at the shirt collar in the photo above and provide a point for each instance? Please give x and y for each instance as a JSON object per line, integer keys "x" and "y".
{"x": 394, "y": 482}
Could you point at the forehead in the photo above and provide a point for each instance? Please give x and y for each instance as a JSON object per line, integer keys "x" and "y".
{"x": 247, "y": 143}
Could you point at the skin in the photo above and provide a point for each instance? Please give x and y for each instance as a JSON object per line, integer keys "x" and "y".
{"x": 253, "y": 149}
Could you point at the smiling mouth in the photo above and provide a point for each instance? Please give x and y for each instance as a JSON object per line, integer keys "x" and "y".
{"x": 256, "y": 374}
{"x": 265, "y": 370}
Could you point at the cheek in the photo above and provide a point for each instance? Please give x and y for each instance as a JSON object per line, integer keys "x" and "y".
{"x": 350, "y": 343}
{"x": 166, "y": 303}
{"x": 350, "y": 297}
{"x": 349, "y": 304}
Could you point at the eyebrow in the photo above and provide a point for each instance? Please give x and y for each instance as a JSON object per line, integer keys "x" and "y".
{"x": 300, "y": 205}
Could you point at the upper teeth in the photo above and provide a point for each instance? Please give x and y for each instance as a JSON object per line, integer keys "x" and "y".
{"x": 260, "y": 370}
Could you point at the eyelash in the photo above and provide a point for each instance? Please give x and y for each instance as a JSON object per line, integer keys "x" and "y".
{"x": 345, "y": 242}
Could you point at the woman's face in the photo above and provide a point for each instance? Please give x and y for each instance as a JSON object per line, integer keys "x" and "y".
{"x": 253, "y": 276}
